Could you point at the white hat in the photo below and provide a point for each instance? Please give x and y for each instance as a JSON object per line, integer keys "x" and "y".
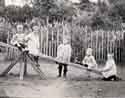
{"x": 89, "y": 51}
{"x": 110, "y": 55}
{"x": 66, "y": 39}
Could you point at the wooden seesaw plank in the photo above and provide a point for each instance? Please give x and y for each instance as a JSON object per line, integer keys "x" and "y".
{"x": 7, "y": 45}
{"x": 55, "y": 60}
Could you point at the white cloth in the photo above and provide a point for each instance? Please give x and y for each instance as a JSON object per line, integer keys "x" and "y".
{"x": 33, "y": 43}
{"x": 90, "y": 61}
{"x": 17, "y": 38}
{"x": 89, "y": 51}
{"x": 109, "y": 69}
{"x": 64, "y": 52}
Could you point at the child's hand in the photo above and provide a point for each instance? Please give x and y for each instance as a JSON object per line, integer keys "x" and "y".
{"x": 100, "y": 70}
{"x": 89, "y": 69}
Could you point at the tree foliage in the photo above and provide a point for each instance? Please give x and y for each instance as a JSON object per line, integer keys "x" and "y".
{"x": 53, "y": 8}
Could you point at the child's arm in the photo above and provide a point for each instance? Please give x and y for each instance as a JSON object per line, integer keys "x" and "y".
{"x": 84, "y": 60}
{"x": 94, "y": 62}
{"x": 27, "y": 38}
{"x": 14, "y": 40}
{"x": 59, "y": 52}
{"x": 70, "y": 53}
{"x": 106, "y": 68}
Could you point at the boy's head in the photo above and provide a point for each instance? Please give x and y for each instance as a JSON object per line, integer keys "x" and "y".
{"x": 35, "y": 27}
{"x": 66, "y": 41}
{"x": 89, "y": 51}
{"x": 110, "y": 56}
{"x": 19, "y": 28}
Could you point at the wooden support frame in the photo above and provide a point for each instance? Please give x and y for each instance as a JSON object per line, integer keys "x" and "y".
{"x": 23, "y": 56}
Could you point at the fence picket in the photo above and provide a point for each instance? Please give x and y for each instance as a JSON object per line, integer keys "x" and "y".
{"x": 99, "y": 40}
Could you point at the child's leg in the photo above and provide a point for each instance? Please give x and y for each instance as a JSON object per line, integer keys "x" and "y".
{"x": 65, "y": 70}
{"x": 59, "y": 70}
{"x": 87, "y": 73}
{"x": 36, "y": 58}
{"x": 116, "y": 78}
{"x": 112, "y": 78}
{"x": 105, "y": 79}
{"x": 21, "y": 70}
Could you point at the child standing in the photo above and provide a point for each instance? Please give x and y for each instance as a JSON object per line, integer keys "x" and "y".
{"x": 89, "y": 61}
{"x": 109, "y": 72}
{"x": 64, "y": 54}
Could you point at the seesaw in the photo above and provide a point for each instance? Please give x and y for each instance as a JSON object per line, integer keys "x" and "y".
{"x": 25, "y": 55}
{"x": 78, "y": 66}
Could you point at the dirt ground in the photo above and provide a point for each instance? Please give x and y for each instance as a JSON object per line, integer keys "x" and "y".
{"x": 76, "y": 85}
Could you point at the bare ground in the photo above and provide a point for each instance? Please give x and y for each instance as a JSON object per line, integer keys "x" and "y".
{"x": 76, "y": 85}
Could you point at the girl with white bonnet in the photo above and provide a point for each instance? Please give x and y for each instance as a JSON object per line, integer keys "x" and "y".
{"x": 109, "y": 72}
{"x": 89, "y": 61}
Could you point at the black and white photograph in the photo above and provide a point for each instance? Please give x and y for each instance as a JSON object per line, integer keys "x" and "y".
{"x": 62, "y": 48}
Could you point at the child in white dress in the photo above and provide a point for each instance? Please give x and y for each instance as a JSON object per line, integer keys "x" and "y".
{"x": 33, "y": 43}
{"x": 109, "y": 72}
{"x": 89, "y": 61}
{"x": 32, "y": 40}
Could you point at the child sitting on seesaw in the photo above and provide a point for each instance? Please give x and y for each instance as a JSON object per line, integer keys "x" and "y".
{"x": 18, "y": 38}
{"x": 32, "y": 40}
{"x": 18, "y": 41}
{"x": 89, "y": 61}
{"x": 109, "y": 72}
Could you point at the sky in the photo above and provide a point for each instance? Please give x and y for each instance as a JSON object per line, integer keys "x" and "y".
{"x": 94, "y": 1}
{"x": 22, "y": 2}
{"x": 75, "y": 1}
{"x": 15, "y": 2}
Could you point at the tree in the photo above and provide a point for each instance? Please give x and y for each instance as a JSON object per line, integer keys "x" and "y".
{"x": 107, "y": 17}
{"x": 16, "y": 13}
{"x": 53, "y": 8}
{"x": 120, "y": 7}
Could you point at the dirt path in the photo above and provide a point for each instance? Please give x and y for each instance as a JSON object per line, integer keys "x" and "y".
{"x": 76, "y": 85}
{"x": 61, "y": 88}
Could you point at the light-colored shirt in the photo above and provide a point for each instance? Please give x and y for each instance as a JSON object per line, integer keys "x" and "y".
{"x": 33, "y": 43}
{"x": 90, "y": 61}
{"x": 109, "y": 69}
{"x": 64, "y": 52}
{"x": 18, "y": 38}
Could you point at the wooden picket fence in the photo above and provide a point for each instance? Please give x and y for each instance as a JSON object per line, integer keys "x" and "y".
{"x": 101, "y": 41}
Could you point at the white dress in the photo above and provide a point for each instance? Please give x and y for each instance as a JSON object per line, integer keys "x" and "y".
{"x": 109, "y": 69}
{"x": 33, "y": 43}
{"x": 90, "y": 61}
